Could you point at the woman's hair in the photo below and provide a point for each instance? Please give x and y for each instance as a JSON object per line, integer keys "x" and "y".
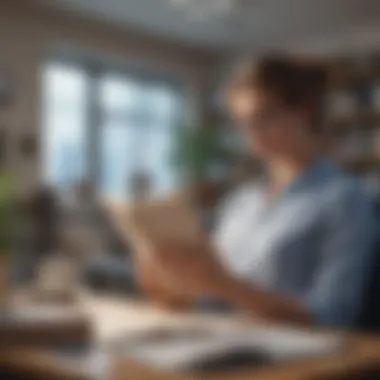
{"x": 293, "y": 82}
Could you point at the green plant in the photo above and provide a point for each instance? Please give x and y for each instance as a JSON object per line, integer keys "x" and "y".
{"x": 197, "y": 151}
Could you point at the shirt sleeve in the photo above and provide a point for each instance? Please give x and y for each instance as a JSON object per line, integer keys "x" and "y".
{"x": 347, "y": 256}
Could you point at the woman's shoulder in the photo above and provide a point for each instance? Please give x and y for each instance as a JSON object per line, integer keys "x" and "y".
{"x": 344, "y": 190}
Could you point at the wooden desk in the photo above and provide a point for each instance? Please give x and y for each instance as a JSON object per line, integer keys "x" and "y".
{"x": 113, "y": 318}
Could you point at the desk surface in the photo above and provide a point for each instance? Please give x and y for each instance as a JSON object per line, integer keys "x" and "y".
{"x": 113, "y": 318}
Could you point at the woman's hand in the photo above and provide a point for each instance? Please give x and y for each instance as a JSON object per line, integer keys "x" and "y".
{"x": 151, "y": 280}
{"x": 194, "y": 269}
{"x": 146, "y": 276}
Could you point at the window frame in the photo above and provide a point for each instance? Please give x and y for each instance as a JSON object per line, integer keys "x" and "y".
{"x": 96, "y": 70}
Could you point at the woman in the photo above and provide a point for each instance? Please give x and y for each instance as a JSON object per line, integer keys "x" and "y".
{"x": 296, "y": 248}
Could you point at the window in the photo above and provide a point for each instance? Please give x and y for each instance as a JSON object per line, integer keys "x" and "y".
{"x": 65, "y": 122}
{"x": 131, "y": 133}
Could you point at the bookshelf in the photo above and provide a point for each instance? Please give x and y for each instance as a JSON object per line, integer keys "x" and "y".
{"x": 353, "y": 116}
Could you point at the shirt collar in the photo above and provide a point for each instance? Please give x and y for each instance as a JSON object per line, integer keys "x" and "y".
{"x": 314, "y": 174}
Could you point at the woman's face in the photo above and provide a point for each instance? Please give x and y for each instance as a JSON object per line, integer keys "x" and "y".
{"x": 269, "y": 128}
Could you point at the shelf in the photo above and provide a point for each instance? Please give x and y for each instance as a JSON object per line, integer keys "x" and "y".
{"x": 345, "y": 78}
{"x": 341, "y": 76}
{"x": 362, "y": 120}
{"x": 361, "y": 164}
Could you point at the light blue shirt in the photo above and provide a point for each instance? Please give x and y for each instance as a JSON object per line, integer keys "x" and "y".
{"x": 314, "y": 241}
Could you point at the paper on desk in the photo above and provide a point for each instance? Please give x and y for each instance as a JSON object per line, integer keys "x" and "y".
{"x": 276, "y": 343}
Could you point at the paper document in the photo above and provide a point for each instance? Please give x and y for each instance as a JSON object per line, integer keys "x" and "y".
{"x": 161, "y": 220}
{"x": 189, "y": 351}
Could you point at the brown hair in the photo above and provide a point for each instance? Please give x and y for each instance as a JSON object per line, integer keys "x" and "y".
{"x": 294, "y": 83}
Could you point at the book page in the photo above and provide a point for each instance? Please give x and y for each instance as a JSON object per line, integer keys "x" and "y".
{"x": 162, "y": 221}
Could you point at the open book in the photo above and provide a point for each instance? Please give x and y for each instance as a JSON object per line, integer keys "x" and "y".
{"x": 159, "y": 220}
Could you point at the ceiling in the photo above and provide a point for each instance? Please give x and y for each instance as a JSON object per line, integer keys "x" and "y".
{"x": 260, "y": 24}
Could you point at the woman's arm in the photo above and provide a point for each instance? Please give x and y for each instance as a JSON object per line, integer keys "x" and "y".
{"x": 261, "y": 303}
{"x": 200, "y": 271}
{"x": 152, "y": 284}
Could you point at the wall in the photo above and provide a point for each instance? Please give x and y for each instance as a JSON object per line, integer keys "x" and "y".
{"x": 27, "y": 33}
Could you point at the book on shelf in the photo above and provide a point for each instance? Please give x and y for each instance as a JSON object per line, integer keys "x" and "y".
{"x": 376, "y": 97}
{"x": 354, "y": 145}
{"x": 376, "y": 142}
{"x": 341, "y": 104}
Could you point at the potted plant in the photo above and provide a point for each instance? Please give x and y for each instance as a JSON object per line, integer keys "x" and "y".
{"x": 199, "y": 155}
